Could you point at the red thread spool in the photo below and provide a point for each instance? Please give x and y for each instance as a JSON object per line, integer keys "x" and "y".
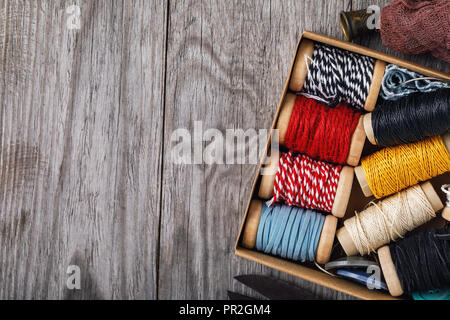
{"x": 321, "y": 132}
{"x": 301, "y": 181}
{"x": 309, "y": 127}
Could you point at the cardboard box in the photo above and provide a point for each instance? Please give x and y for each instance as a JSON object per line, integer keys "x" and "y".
{"x": 309, "y": 271}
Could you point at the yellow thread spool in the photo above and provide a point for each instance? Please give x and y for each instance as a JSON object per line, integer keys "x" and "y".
{"x": 393, "y": 169}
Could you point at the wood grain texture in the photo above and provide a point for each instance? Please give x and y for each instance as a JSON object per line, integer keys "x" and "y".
{"x": 81, "y": 155}
{"x": 87, "y": 116}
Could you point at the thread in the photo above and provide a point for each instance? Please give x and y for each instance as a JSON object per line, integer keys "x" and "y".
{"x": 321, "y": 132}
{"x": 304, "y": 182}
{"x": 422, "y": 261}
{"x": 389, "y": 219}
{"x": 393, "y": 169}
{"x": 336, "y": 75}
{"x": 399, "y": 82}
{"x": 446, "y": 189}
{"x": 433, "y": 294}
{"x": 412, "y": 118}
{"x": 289, "y": 232}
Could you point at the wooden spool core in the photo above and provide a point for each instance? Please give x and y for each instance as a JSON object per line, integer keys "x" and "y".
{"x": 361, "y": 176}
{"x": 374, "y": 90}
{"x": 368, "y": 128}
{"x": 346, "y": 240}
{"x": 389, "y": 272}
{"x": 356, "y": 144}
{"x": 432, "y": 196}
{"x": 300, "y": 73}
{"x": 268, "y": 178}
{"x": 252, "y": 224}
{"x": 357, "y": 141}
{"x": 446, "y": 139}
{"x": 285, "y": 116}
{"x": 342, "y": 192}
{"x": 326, "y": 240}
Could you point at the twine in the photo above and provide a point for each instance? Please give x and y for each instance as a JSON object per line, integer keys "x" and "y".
{"x": 389, "y": 219}
{"x": 393, "y": 169}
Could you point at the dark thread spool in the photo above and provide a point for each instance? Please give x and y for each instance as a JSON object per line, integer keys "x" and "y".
{"x": 412, "y": 118}
{"x": 422, "y": 261}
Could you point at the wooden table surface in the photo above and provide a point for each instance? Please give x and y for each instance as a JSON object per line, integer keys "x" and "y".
{"x": 88, "y": 106}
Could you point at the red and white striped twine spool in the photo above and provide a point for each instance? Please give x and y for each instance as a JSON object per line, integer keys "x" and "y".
{"x": 304, "y": 182}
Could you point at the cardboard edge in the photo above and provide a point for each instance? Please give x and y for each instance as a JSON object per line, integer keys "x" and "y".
{"x": 313, "y": 276}
{"x": 375, "y": 54}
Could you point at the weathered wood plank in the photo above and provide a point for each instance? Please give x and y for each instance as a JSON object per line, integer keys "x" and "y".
{"x": 80, "y": 165}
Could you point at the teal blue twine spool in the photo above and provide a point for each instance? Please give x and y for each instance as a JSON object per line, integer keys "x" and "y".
{"x": 399, "y": 82}
{"x": 289, "y": 232}
{"x": 438, "y": 294}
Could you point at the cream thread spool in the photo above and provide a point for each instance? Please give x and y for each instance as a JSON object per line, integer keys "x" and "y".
{"x": 361, "y": 176}
{"x": 326, "y": 239}
{"x": 300, "y": 72}
{"x": 358, "y": 137}
{"x": 343, "y": 190}
{"x": 346, "y": 241}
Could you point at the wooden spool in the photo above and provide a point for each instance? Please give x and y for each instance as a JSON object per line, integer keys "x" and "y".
{"x": 346, "y": 240}
{"x": 361, "y": 176}
{"x": 367, "y": 121}
{"x": 300, "y": 72}
{"x": 326, "y": 240}
{"x": 357, "y": 141}
{"x": 389, "y": 272}
{"x": 342, "y": 192}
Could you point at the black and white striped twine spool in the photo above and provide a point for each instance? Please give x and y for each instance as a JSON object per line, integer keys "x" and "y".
{"x": 336, "y": 75}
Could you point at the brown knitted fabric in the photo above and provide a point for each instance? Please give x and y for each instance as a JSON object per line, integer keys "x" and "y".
{"x": 417, "y": 26}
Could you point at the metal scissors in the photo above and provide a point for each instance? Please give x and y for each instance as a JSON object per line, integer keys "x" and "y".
{"x": 271, "y": 288}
